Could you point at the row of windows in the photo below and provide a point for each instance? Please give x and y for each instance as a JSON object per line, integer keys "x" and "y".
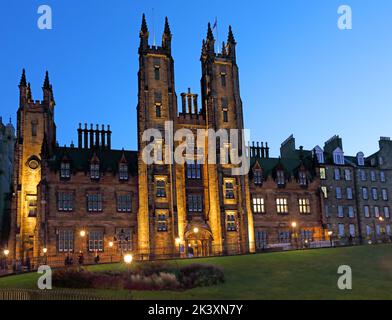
{"x": 262, "y": 238}
{"x": 365, "y": 193}
{"x": 65, "y": 202}
{"x": 376, "y": 212}
{"x": 65, "y": 171}
{"x": 280, "y": 177}
{"x": 346, "y": 174}
{"x": 95, "y": 240}
{"x": 341, "y": 212}
{"x": 374, "y": 193}
{"x": 281, "y": 205}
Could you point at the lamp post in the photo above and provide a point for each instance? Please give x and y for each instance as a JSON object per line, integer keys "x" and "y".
{"x": 128, "y": 258}
{"x": 82, "y": 235}
{"x": 6, "y": 253}
{"x": 294, "y": 226}
{"x": 111, "y": 250}
{"x": 45, "y": 251}
{"x": 330, "y": 237}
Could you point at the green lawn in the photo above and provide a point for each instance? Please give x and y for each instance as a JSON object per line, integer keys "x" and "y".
{"x": 288, "y": 275}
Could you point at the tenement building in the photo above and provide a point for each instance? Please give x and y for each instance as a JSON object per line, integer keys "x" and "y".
{"x": 355, "y": 190}
{"x": 7, "y": 140}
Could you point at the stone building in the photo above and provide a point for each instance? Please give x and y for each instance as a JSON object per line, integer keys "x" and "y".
{"x": 286, "y": 200}
{"x": 93, "y": 199}
{"x": 373, "y": 186}
{"x": 7, "y": 141}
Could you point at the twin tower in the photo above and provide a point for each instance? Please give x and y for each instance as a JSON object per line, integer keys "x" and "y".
{"x": 206, "y": 207}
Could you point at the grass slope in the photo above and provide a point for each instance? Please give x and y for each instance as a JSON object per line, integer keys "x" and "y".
{"x": 308, "y": 274}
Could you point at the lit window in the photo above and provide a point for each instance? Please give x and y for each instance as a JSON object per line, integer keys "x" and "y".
{"x": 258, "y": 205}
{"x": 95, "y": 241}
{"x": 65, "y": 170}
{"x": 304, "y": 206}
{"x": 324, "y": 190}
{"x": 281, "y": 206}
{"x": 32, "y": 205}
{"x": 323, "y": 174}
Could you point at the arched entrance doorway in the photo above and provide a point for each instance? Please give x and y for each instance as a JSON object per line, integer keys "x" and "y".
{"x": 198, "y": 240}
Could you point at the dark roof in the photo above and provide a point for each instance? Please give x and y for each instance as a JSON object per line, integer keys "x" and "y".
{"x": 80, "y": 159}
{"x": 290, "y": 165}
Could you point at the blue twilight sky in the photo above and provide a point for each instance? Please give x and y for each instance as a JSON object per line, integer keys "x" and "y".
{"x": 298, "y": 72}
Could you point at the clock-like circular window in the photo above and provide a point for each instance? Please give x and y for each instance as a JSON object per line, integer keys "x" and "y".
{"x": 33, "y": 164}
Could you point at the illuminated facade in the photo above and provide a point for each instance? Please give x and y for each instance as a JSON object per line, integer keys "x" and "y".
{"x": 91, "y": 198}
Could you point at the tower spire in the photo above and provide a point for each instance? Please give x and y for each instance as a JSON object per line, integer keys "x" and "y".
{"x": 144, "y": 28}
{"x": 210, "y": 35}
{"x": 23, "y": 82}
{"x": 230, "y": 38}
{"x": 46, "y": 81}
{"x": 167, "y": 27}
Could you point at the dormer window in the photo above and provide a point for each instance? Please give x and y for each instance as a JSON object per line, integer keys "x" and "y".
{"x": 302, "y": 178}
{"x": 338, "y": 156}
{"x": 319, "y": 154}
{"x": 258, "y": 176}
{"x": 65, "y": 170}
{"x": 360, "y": 159}
{"x": 123, "y": 171}
{"x": 280, "y": 177}
{"x": 94, "y": 171}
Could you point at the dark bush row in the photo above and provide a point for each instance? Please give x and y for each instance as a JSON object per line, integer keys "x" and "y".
{"x": 145, "y": 276}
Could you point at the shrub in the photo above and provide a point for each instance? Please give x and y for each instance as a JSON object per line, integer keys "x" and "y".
{"x": 73, "y": 278}
{"x": 200, "y": 275}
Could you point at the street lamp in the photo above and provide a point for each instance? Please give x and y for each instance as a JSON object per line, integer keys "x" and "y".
{"x": 196, "y": 230}
{"x": 128, "y": 260}
{"x": 82, "y": 233}
{"x": 330, "y": 237}
{"x": 6, "y": 253}
{"x": 111, "y": 250}
{"x": 294, "y": 225}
